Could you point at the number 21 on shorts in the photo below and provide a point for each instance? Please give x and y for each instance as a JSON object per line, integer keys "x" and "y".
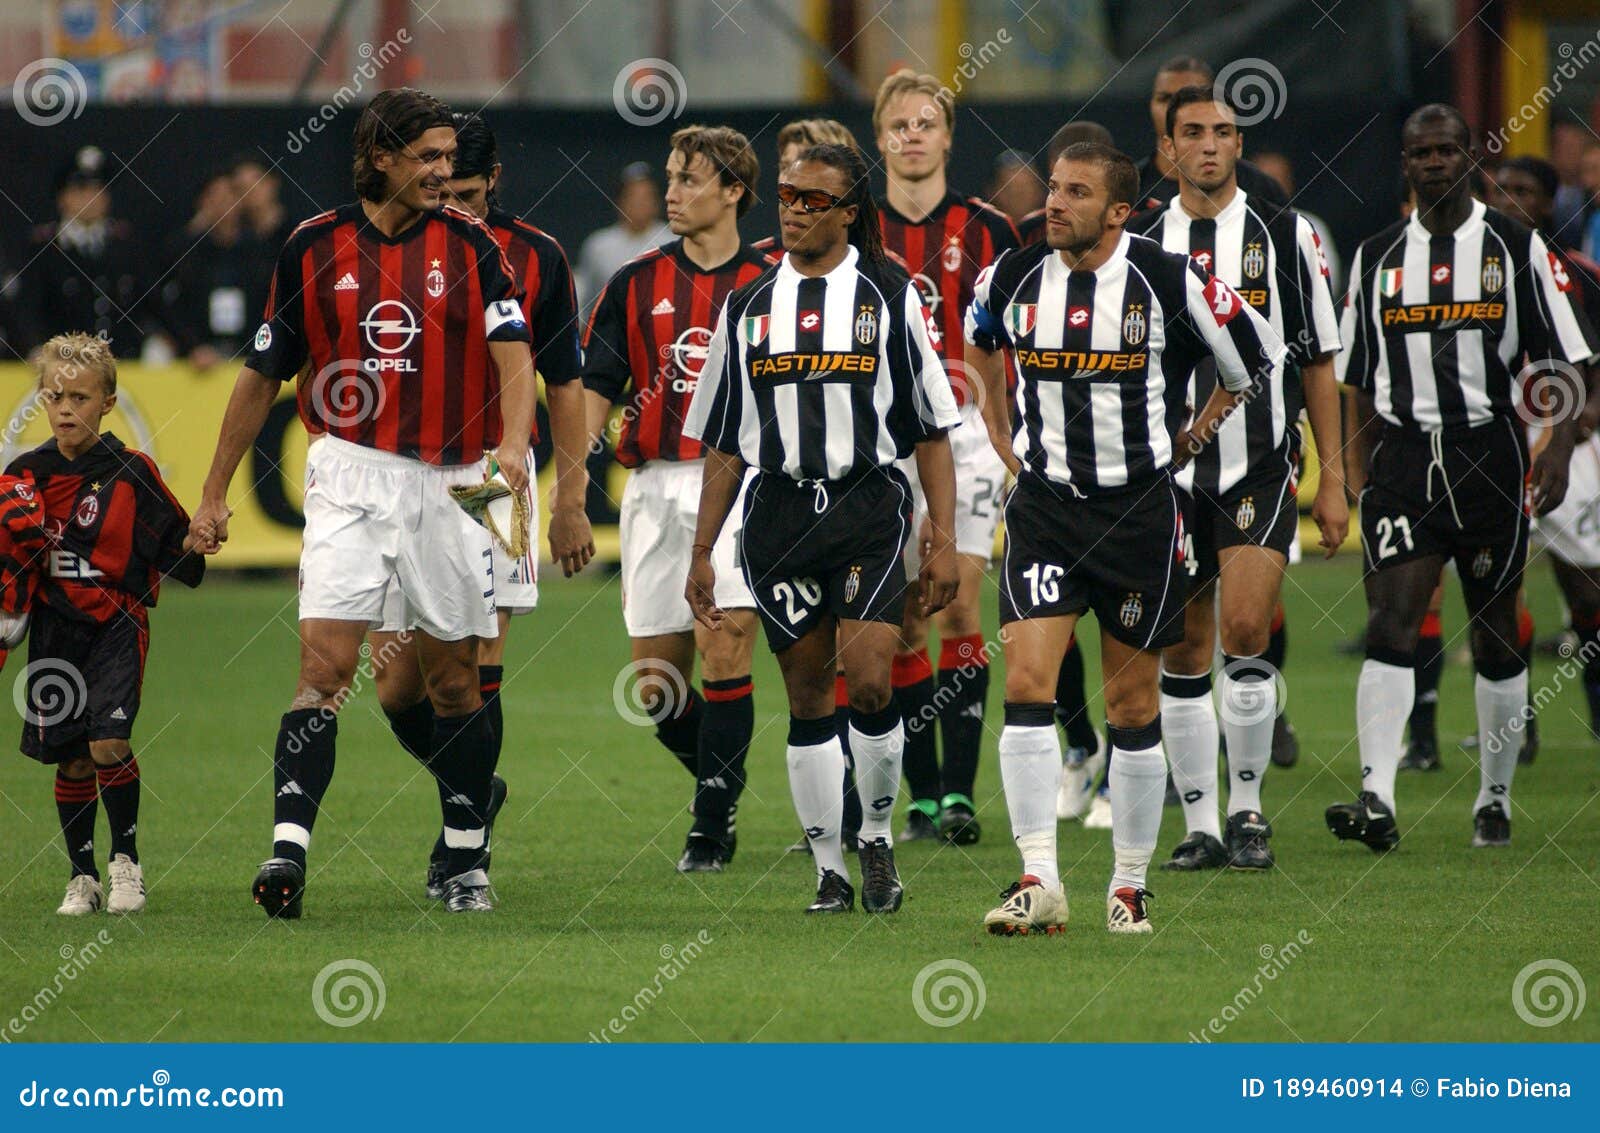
{"x": 1394, "y": 535}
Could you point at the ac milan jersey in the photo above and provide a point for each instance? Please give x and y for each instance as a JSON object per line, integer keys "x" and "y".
{"x": 112, "y": 529}
{"x": 549, "y": 304}
{"x": 393, "y": 331}
{"x": 1030, "y": 229}
{"x": 1436, "y": 326}
{"x": 651, "y": 329}
{"x": 944, "y": 253}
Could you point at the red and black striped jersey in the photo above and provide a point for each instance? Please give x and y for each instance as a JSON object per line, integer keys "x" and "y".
{"x": 944, "y": 252}
{"x": 651, "y": 328}
{"x": 393, "y": 332}
{"x": 1030, "y": 229}
{"x": 549, "y": 304}
{"x": 22, "y": 543}
{"x": 112, "y": 528}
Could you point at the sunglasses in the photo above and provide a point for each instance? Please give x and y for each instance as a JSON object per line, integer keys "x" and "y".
{"x": 810, "y": 200}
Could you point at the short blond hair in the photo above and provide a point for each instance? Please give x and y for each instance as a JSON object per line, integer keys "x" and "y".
{"x": 808, "y": 132}
{"x": 78, "y": 350}
{"x": 907, "y": 81}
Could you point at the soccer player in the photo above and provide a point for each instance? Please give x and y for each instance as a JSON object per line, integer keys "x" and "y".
{"x": 1441, "y": 310}
{"x": 823, "y": 376}
{"x": 112, "y": 531}
{"x": 1103, "y": 329}
{"x": 1240, "y": 517}
{"x": 647, "y": 342}
{"x": 945, "y": 239}
{"x": 1030, "y": 229}
{"x": 395, "y": 306}
{"x": 551, "y": 312}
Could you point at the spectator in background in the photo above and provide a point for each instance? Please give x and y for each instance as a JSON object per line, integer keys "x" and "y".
{"x": 638, "y": 229}
{"x": 266, "y": 226}
{"x": 1589, "y": 188}
{"x": 1566, "y": 154}
{"x": 1281, "y": 170}
{"x": 1014, "y": 187}
{"x": 84, "y": 271}
{"x": 206, "y": 296}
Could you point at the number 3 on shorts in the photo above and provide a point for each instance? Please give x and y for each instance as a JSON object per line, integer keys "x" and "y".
{"x": 1387, "y": 529}
{"x": 798, "y": 596}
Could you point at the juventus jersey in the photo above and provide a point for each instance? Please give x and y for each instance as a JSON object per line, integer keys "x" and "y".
{"x": 1436, "y": 327}
{"x": 1102, "y": 359}
{"x": 1274, "y": 261}
{"x": 822, "y": 378}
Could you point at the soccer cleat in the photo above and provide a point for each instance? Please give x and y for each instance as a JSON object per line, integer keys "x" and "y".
{"x": 1285, "y": 743}
{"x": 881, "y": 891}
{"x": 1530, "y": 743}
{"x": 279, "y": 887}
{"x": 701, "y": 854}
{"x": 434, "y": 885}
{"x": 1491, "y": 826}
{"x": 1247, "y": 836}
{"x": 127, "y": 885}
{"x": 1196, "y": 852}
{"x": 83, "y": 897}
{"x": 1366, "y": 820}
{"x": 468, "y": 893}
{"x": 727, "y": 847}
{"x": 1421, "y": 755}
{"x": 834, "y": 895}
{"x": 1099, "y": 816}
{"x": 1029, "y": 906}
{"x": 958, "y": 825}
{"x": 1126, "y": 912}
{"x": 922, "y": 822}
{"x": 1080, "y": 770}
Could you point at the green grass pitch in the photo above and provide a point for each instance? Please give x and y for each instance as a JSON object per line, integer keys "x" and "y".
{"x": 596, "y": 934}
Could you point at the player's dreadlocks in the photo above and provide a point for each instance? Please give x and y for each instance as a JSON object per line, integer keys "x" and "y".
{"x": 866, "y": 232}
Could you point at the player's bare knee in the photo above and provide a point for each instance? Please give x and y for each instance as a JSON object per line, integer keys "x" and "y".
{"x": 454, "y": 690}
{"x": 962, "y": 617}
{"x": 869, "y": 696}
{"x": 1029, "y": 684}
{"x": 78, "y": 767}
{"x": 1245, "y": 634}
{"x": 725, "y": 654}
{"x": 107, "y": 753}
{"x": 1131, "y": 705}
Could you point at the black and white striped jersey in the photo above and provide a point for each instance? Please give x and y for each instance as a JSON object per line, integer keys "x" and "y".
{"x": 1271, "y": 257}
{"x": 822, "y": 378}
{"x": 1102, "y": 359}
{"x": 1436, "y": 327}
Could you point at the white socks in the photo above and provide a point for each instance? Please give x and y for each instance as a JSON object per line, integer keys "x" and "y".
{"x": 816, "y": 780}
{"x": 877, "y": 760}
{"x": 1249, "y": 716}
{"x": 1499, "y": 702}
{"x": 1383, "y": 702}
{"x": 1138, "y": 792}
{"x": 1189, "y": 732}
{"x": 1030, "y": 769}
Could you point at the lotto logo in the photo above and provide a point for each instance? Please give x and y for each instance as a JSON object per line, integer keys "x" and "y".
{"x": 1441, "y": 273}
{"x": 1224, "y": 301}
{"x": 810, "y": 320}
{"x": 1078, "y": 316}
{"x": 1203, "y": 258}
{"x": 1559, "y": 271}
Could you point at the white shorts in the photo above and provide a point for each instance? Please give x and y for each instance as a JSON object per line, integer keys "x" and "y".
{"x": 1572, "y": 532}
{"x": 516, "y": 581}
{"x": 374, "y": 518}
{"x": 980, "y": 491}
{"x": 659, "y": 509}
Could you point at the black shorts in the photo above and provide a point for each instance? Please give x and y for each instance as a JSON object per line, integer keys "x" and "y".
{"x": 1259, "y": 510}
{"x": 1460, "y": 494}
{"x": 1119, "y": 551}
{"x": 84, "y": 681}
{"x": 818, "y": 548}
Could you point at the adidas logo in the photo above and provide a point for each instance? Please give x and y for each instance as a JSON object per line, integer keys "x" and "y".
{"x": 290, "y": 788}
{"x": 87, "y": 847}
{"x": 118, "y": 714}
{"x": 458, "y": 800}
{"x": 716, "y": 782}
{"x": 973, "y": 710}
{"x": 347, "y": 282}
{"x": 664, "y": 307}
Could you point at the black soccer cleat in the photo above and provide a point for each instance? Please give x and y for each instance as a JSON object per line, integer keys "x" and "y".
{"x": 922, "y": 822}
{"x": 1421, "y": 755}
{"x": 701, "y": 854}
{"x": 468, "y": 893}
{"x": 881, "y": 891}
{"x": 1491, "y": 826}
{"x": 834, "y": 895}
{"x": 1367, "y": 820}
{"x": 438, "y": 859}
{"x": 1530, "y": 742}
{"x": 1196, "y": 852}
{"x": 1247, "y": 841}
{"x": 278, "y": 888}
{"x": 958, "y": 823}
{"x": 1285, "y": 743}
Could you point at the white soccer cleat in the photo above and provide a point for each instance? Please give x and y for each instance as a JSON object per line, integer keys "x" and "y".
{"x": 1078, "y": 780}
{"x": 1126, "y": 913}
{"x": 1029, "y": 906}
{"x": 83, "y": 897}
{"x": 127, "y": 885}
{"x": 1099, "y": 816}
